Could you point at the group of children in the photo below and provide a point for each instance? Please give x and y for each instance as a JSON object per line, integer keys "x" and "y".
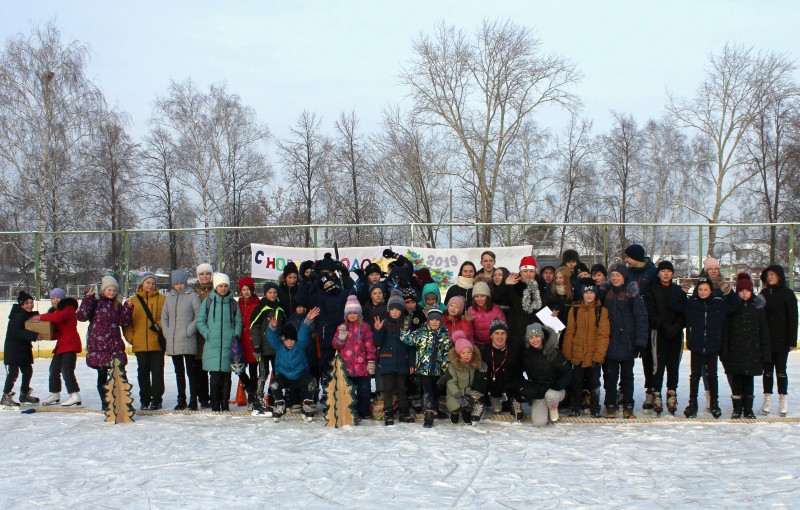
{"x": 481, "y": 350}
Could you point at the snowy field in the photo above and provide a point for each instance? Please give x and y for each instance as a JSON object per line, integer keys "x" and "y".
{"x": 75, "y": 460}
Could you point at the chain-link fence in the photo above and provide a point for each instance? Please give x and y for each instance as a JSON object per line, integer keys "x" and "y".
{"x": 75, "y": 260}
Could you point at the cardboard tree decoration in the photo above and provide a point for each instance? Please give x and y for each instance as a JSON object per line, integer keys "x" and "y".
{"x": 118, "y": 397}
{"x": 340, "y": 400}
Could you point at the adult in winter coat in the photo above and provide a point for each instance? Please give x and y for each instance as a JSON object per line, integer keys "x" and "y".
{"x": 548, "y": 372}
{"x": 179, "y": 319}
{"x": 629, "y": 334}
{"x": 524, "y": 292}
{"x": 484, "y": 312}
{"x": 465, "y": 380}
{"x": 142, "y": 334}
{"x": 248, "y": 302}
{"x": 106, "y": 314}
{"x": 203, "y": 288}
{"x": 68, "y": 346}
{"x": 585, "y": 346}
{"x": 464, "y": 283}
{"x": 18, "y": 351}
{"x": 746, "y": 346}
{"x": 504, "y": 371}
{"x": 640, "y": 268}
{"x": 220, "y": 323}
{"x": 666, "y": 327}
{"x": 781, "y": 310}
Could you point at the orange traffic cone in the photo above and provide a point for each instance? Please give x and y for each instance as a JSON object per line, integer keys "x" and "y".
{"x": 241, "y": 396}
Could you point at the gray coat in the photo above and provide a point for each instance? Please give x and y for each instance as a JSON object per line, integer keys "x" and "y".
{"x": 179, "y": 320}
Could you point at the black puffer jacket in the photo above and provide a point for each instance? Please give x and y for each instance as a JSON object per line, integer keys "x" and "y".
{"x": 546, "y": 368}
{"x": 781, "y": 310}
{"x": 18, "y": 349}
{"x": 745, "y": 342}
{"x": 661, "y": 302}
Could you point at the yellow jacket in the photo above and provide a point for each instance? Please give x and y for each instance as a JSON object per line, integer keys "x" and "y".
{"x": 138, "y": 332}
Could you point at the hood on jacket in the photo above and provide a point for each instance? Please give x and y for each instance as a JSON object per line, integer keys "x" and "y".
{"x": 648, "y": 263}
{"x": 777, "y": 269}
{"x": 186, "y": 290}
{"x": 430, "y": 288}
{"x": 475, "y": 363}
{"x": 549, "y": 342}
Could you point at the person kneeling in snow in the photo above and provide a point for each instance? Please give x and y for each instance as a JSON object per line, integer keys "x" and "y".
{"x": 291, "y": 364}
{"x": 466, "y": 380}
{"x": 549, "y": 374}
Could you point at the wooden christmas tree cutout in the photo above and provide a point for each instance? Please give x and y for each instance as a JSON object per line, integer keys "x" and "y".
{"x": 119, "y": 401}
{"x": 339, "y": 396}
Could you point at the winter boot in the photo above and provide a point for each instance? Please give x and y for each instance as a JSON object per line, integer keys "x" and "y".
{"x": 405, "y": 417}
{"x": 279, "y": 409}
{"x": 192, "y": 404}
{"x": 496, "y": 404}
{"x": 691, "y": 409}
{"x": 647, "y": 406}
{"x": 553, "y": 412}
{"x": 52, "y": 400}
{"x": 430, "y": 416}
{"x": 708, "y": 401}
{"x": 309, "y": 409}
{"x": 388, "y": 418}
{"x": 8, "y": 400}
{"x": 454, "y": 416}
{"x": 611, "y": 411}
{"x": 516, "y": 409}
{"x": 586, "y": 400}
{"x": 658, "y": 403}
{"x": 736, "y": 400}
{"x": 101, "y": 390}
{"x": 575, "y": 412}
{"x": 747, "y": 403}
{"x": 155, "y": 405}
{"x": 627, "y": 412}
{"x": 765, "y": 407}
{"x": 226, "y": 393}
{"x": 716, "y": 412}
{"x": 181, "y": 404}
{"x": 466, "y": 417}
{"x": 476, "y": 412}
{"x": 672, "y": 402}
{"x": 259, "y": 409}
{"x": 73, "y": 400}
{"x": 27, "y": 398}
{"x": 594, "y": 406}
{"x": 783, "y": 404}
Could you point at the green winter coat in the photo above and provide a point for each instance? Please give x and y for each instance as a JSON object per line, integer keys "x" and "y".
{"x": 218, "y": 320}
{"x": 431, "y": 288}
{"x": 464, "y": 379}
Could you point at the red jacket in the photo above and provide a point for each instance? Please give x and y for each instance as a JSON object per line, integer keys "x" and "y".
{"x": 246, "y": 306}
{"x": 455, "y": 324}
{"x": 65, "y": 323}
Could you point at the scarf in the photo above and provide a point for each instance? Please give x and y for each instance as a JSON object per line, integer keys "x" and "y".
{"x": 465, "y": 283}
{"x": 531, "y": 300}
{"x": 561, "y": 290}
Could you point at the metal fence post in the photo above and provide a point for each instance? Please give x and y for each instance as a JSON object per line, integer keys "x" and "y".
{"x": 36, "y": 260}
{"x": 700, "y": 246}
{"x": 605, "y": 244}
{"x": 220, "y": 233}
{"x": 315, "y": 237}
{"x": 791, "y": 256}
{"x": 412, "y": 234}
{"x": 126, "y": 247}
{"x": 508, "y": 234}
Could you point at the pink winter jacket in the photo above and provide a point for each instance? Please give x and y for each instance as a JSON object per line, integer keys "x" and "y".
{"x": 357, "y": 349}
{"x": 482, "y": 320}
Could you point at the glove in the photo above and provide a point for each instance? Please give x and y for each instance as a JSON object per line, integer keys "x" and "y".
{"x": 371, "y": 367}
{"x": 342, "y": 333}
{"x": 389, "y": 254}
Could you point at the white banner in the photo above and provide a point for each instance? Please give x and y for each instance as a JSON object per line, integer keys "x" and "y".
{"x": 268, "y": 261}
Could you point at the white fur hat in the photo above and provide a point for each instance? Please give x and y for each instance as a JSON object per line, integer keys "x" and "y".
{"x": 204, "y": 268}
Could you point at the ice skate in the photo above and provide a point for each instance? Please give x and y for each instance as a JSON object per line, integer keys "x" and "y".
{"x": 553, "y": 412}
{"x": 672, "y": 402}
{"x": 736, "y": 401}
{"x": 516, "y": 409}
{"x": 476, "y": 413}
{"x": 28, "y": 398}
{"x": 430, "y": 416}
{"x": 279, "y": 410}
{"x": 308, "y": 410}
{"x": 74, "y": 400}
{"x": 708, "y": 401}
{"x": 783, "y": 405}
{"x": 8, "y": 403}
{"x": 691, "y": 409}
{"x": 647, "y": 405}
{"x": 765, "y": 407}
{"x": 658, "y": 403}
{"x": 748, "y": 407}
{"x": 52, "y": 400}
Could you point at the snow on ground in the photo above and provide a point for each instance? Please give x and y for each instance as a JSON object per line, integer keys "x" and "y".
{"x": 60, "y": 460}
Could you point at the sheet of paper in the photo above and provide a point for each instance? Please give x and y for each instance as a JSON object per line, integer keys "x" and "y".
{"x": 546, "y": 316}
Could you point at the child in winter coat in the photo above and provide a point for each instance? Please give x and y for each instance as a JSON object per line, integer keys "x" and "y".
{"x": 376, "y": 306}
{"x": 354, "y": 342}
{"x": 562, "y": 294}
{"x": 18, "y": 351}
{"x": 106, "y": 314}
{"x": 548, "y": 372}
{"x": 179, "y": 319}
{"x": 585, "y": 346}
{"x": 220, "y": 323}
{"x": 291, "y": 365}
{"x": 248, "y": 302}
{"x": 627, "y": 315}
{"x": 704, "y": 315}
{"x": 416, "y": 317}
{"x": 483, "y": 312}
{"x": 395, "y": 361}
{"x": 666, "y": 329}
{"x": 431, "y": 298}
{"x": 68, "y": 346}
{"x": 781, "y": 311}
{"x": 466, "y": 381}
{"x": 267, "y": 309}
{"x": 433, "y": 343}
{"x": 746, "y": 346}
{"x": 454, "y": 319}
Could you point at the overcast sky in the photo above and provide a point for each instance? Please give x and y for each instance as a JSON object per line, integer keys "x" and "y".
{"x": 330, "y": 56}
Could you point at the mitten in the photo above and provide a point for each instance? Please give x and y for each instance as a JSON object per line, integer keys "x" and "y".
{"x": 371, "y": 367}
{"x": 342, "y": 333}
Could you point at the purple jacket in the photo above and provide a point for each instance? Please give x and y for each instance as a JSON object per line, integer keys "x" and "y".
{"x": 104, "y": 339}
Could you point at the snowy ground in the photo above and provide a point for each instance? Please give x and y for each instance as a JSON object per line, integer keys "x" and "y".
{"x": 204, "y": 461}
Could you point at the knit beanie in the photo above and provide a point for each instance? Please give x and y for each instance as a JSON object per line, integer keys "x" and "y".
{"x": 409, "y": 294}
{"x": 459, "y": 302}
{"x": 620, "y": 268}
{"x": 665, "y": 264}
{"x": 582, "y": 268}
{"x": 744, "y": 282}
{"x": 353, "y": 306}
{"x": 528, "y": 262}
{"x": 481, "y": 289}
{"x": 460, "y": 341}
{"x": 290, "y": 268}
{"x": 587, "y": 285}
{"x": 497, "y": 324}
{"x": 179, "y": 276}
{"x": 378, "y": 286}
{"x": 434, "y": 314}
{"x": 710, "y": 262}
{"x": 289, "y": 332}
{"x": 204, "y": 268}
{"x": 219, "y": 279}
{"x": 249, "y": 282}
{"x": 23, "y": 296}
{"x": 599, "y": 268}
{"x": 270, "y": 285}
{"x": 58, "y": 293}
{"x": 326, "y": 263}
{"x": 704, "y": 279}
{"x": 636, "y": 252}
{"x": 148, "y": 274}
{"x": 372, "y": 267}
{"x": 108, "y": 281}
{"x": 395, "y": 303}
{"x": 533, "y": 330}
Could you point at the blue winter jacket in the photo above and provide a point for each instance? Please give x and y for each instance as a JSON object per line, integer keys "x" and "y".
{"x": 291, "y": 363}
{"x": 331, "y": 305}
{"x": 705, "y": 321}
{"x": 643, "y": 276}
{"x": 393, "y": 355}
{"x": 627, "y": 314}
